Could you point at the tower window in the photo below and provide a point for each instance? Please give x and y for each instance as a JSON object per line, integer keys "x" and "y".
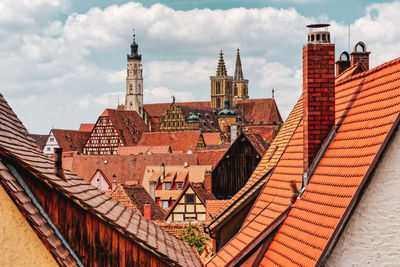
{"x": 218, "y": 103}
{"x": 235, "y": 90}
{"x": 218, "y": 89}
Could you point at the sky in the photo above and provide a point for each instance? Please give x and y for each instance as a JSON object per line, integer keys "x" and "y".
{"x": 64, "y": 61}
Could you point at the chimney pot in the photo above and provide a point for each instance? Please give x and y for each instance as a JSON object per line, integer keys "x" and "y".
{"x": 360, "y": 56}
{"x": 147, "y": 211}
{"x": 58, "y": 170}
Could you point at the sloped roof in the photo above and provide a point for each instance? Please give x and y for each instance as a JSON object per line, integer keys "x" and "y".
{"x": 179, "y": 141}
{"x": 86, "y": 127}
{"x": 40, "y": 139}
{"x": 367, "y": 109}
{"x": 198, "y": 189}
{"x": 274, "y": 198}
{"x": 71, "y": 140}
{"x": 118, "y": 167}
{"x": 211, "y": 157}
{"x": 128, "y": 123}
{"x": 138, "y": 196}
{"x": 206, "y": 116}
{"x": 18, "y": 147}
{"x": 266, "y": 131}
{"x": 258, "y": 111}
{"x": 212, "y": 207}
{"x": 160, "y": 109}
{"x": 257, "y": 141}
{"x": 356, "y": 68}
{"x": 262, "y": 171}
{"x": 212, "y": 138}
{"x": 136, "y": 150}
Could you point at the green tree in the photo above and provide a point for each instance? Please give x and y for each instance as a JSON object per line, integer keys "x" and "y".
{"x": 194, "y": 237}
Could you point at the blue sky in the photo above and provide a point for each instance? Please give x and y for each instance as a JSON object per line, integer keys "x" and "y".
{"x": 63, "y": 61}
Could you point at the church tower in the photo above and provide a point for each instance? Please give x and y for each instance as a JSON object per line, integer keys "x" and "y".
{"x": 240, "y": 85}
{"x": 221, "y": 85}
{"x": 134, "y": 80}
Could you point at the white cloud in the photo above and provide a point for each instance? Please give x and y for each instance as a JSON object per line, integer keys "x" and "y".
{"x": 68, "y": 71}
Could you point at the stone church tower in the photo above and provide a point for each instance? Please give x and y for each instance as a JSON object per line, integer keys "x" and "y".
{"x": 134, "y": 80}
{"x": 221, "y": 85}
{"x": 240, "y": 85}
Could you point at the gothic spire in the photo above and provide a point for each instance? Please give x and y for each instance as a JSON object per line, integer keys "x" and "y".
{"x": 221, "y": 69}
{"x": 134, "y": 49}
{"x": 238, "y": 69}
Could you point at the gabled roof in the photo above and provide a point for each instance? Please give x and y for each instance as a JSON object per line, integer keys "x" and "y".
{"x": 128, "y": 123}
{"x": 356, "y": 68}
{"x": 40, "y": 139}
{"x": 71, "y": 140}
{"x": 258, "y": 111}
{"x": 257, "y": 141}
{"x": 207, "y": 118}
{"x": 267, "y": 132}
{"x": 118, "y": 167}
{"x": 274, "y": 197}
{"x": 200, "y": 192}
{"x": 160, "y": 109}
{"x": 18, "y": 148}
{"x": 103, "y": 175}
{"x": 212, "y": 138}
{"x": 86, "y": 127}
{"x": 179, "y": 141}
{"x": 137, "y": 196}
{"x": 263, "y": 169}
{"x": 367, "y": 112}
{"x": 211, "y": 157}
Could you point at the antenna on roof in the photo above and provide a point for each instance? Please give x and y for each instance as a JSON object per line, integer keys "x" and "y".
{"x": 273, "y": 93}
{"x": 349, "y": 38}
{"x": 134, "y": 34}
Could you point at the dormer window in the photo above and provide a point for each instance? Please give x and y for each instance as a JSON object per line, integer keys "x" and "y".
{"x": 167, "y": 186}
{"x": 179, "y": 186}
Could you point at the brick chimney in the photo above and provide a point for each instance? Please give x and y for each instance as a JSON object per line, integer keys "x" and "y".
{"x": 208, "y": 181}
{"x": 360, "y": 56}
{"x": 58, "y": 169}
{"x": 147, "y": 211}
{"x": 343, "y": 63}
{"x": 318, "y": 90}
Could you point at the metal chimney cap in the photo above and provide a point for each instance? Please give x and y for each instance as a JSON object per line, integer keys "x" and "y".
{"x": 318, "y": 25}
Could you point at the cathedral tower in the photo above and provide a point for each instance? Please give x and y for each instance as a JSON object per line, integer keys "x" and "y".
{"x": 134, "y": 80}
{"x": 240, "y": 85}
{"x": 221, "y": 85}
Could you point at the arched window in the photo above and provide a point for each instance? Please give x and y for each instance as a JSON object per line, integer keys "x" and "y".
{"x": 235, "y": 91}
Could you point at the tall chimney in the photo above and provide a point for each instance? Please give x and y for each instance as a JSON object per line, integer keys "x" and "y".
{"x": 360, "y": 56}
{"x": 208, "y": 181}
{"x": 147, "y": 211}
{"x": 58, "y": 170}
{"x": 343, "y": 63}
{"x": 318, "y": 90}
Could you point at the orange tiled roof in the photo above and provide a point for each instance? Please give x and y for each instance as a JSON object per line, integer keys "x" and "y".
{"x": 266, "y": 131}
{"x": 179, "y": 141}
{"x": 273, "y": 199}
{"x": 71, "y": 140}
{"x": 86, "y": 127}
{"x": 213, "y": 206}
{"x": 257, "y": 141}
{"x": 212, "y": 138}
{"x": 211, "y": 157}
{"x": 160, "y": 109}
{"x": 19, "y": 150}
{"x": 267, "y": 163}
{"x": 367, "y": 109}
{"x": 136, "y": 150}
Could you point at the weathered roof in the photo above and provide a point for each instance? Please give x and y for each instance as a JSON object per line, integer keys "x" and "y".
{"x": 212, "y": 138}
{"x": 71, "y": 140}
{"x": 212, "y": 207}
{"x": 86, "y": 127}
{"x": 262, "y": 171}
{"x": 367, "y": 112}
{"x": 17, "y": 146}
{"x": 211, "y": 157}
{"x": 40, "y": 139}
{"x": 259, "y": 144}
{"x": 266, "y": 131}
{"x": 136, "y": 150}
{"x": 118, "y": 167}
{"x": 274, "y": 198}
{"x": 137, "y": 196}
{"x": 207, "y": 118}
{"x": 160, "y": 109}
{"x": 179, "y": 141}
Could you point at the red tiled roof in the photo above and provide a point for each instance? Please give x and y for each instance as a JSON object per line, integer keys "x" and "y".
{"x": 136, "y": 150}
{"x": 40, "y": 139}
{"x": 18, "y": 148}
{"x": 212, "y": 207}
{"x": 71, "y": 140}
{"x": 212, "y": 138}
{"x": 262, "y": 171}
{"x": 210, "y": 157}
{"x": 179, "y": 141}
{"x": 86, "y": 127}
{"x": 118, "y": 167}
{"x": 160, "y": 109}
{"x": 266, "y": 131}
{"x": 367, "y": 111}
{"x": 257, "y": 141}
{"x": 258, "y": 111}
{"x": 135, "y": 196}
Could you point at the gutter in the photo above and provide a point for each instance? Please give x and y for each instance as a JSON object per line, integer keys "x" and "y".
{"x": 21, "y": 181}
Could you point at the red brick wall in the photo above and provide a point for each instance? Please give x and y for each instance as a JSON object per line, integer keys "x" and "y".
{"x": 362, "y": 57}
{"x": 319, "y": 96}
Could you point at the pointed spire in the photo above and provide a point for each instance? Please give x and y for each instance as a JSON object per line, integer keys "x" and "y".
{"x": 134, "y": 49}
{"x": 221, "y": 69}
{"x": 238, "y": 68}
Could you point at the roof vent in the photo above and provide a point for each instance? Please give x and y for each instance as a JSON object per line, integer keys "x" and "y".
{"x": 105, "y": 161}
{"x": 185, "y": 165}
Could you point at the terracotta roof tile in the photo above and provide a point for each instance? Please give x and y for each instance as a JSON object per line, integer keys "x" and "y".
{"x": 257, "y": 141}
{"x": 212, "y": 138}
{"x": 267, "y": 132}
{"x": 179, "y": 141}
{"x": 71, "y": 140}
{"x": 40, "y": 139}
{"x": 368, "y": 105}
{"x": 210, "y": 157}
{"x": 136, "y": 150}
{"x": 18, "y": 146}
{"x": 86, "y": 127}
{"x": 213, "y": 206}
{"x": 267, "y": 163}
{"x": 135, "y": 196}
